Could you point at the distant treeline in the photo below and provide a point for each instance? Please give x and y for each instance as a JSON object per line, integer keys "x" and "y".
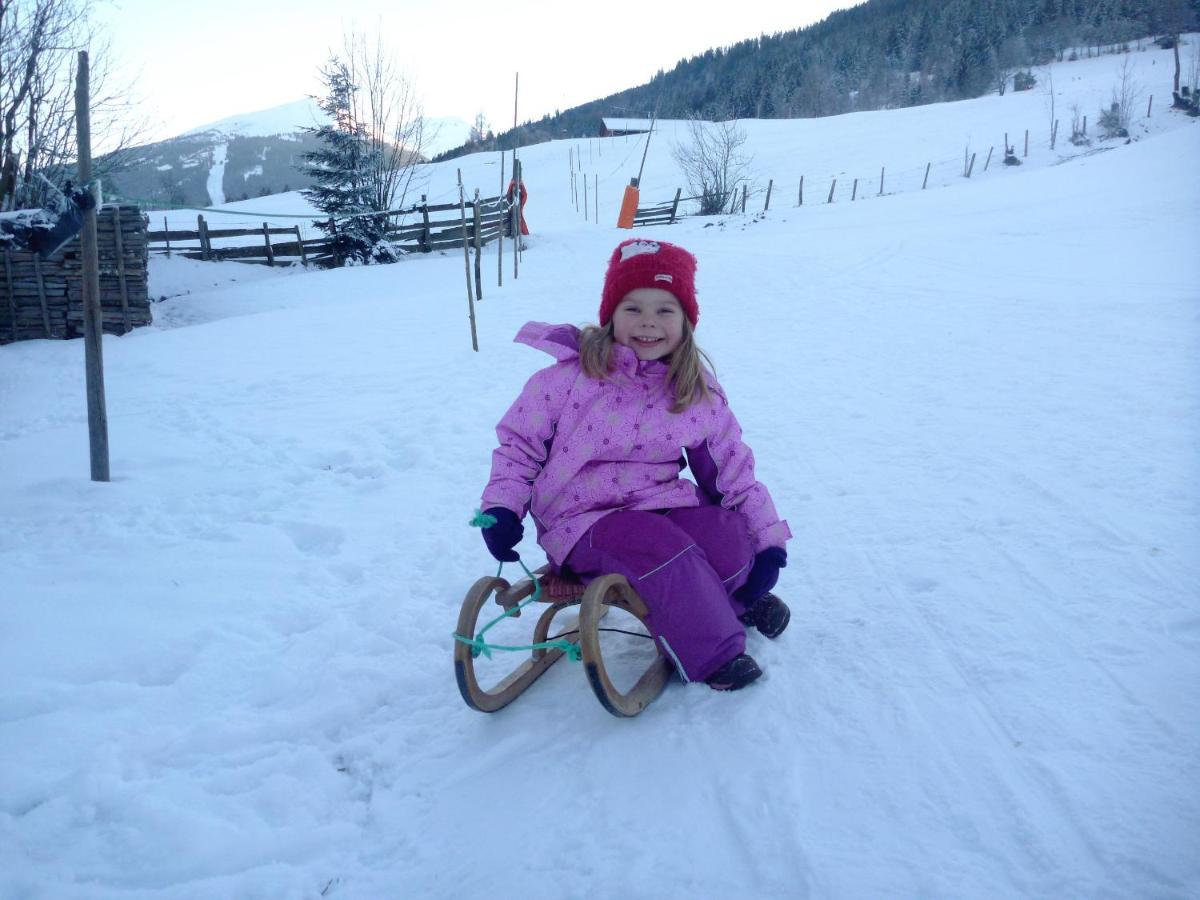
{"x": 882, "y": 54}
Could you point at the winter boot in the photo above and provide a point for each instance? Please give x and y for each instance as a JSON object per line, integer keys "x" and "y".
{"x": 735, "y": 674}
{"x": 769, "y": 615}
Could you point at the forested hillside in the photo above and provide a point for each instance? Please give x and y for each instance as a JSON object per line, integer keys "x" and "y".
{"x": 881, "y": 54}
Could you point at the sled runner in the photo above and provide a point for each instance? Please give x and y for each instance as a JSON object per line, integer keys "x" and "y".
{"x": 580, "y": 638}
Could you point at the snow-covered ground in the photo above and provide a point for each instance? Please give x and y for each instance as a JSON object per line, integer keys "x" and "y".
{"x": 227, "y": 673}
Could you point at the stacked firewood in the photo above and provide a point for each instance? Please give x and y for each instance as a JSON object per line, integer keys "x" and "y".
{"x": 43, "y": 298}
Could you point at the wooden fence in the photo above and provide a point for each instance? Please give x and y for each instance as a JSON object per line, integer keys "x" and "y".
{"x": 43, "y": 298}
{"x": 416, "y": 229}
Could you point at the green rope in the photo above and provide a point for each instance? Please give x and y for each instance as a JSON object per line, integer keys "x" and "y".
{"x": 479, "y": 646}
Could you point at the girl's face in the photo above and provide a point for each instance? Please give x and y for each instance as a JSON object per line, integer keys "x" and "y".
{"x": 650, "y": 322}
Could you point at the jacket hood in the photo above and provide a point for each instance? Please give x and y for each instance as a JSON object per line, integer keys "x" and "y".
{"x": 562, "y": 342}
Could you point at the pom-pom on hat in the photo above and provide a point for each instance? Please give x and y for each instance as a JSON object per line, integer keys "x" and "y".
{"x": 639, "y": 263}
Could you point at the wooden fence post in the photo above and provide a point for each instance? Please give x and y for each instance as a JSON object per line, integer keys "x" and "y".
{"x": 675, "y": 205}
{"x": 1085, "y": 126}
{"x": 270, "y": 249}
{"x": 516, "y": 216}
{"x": 926, "y": 180}
{"x": 854, "y": 191}
{"x": 167, "y": 230}
{"x": 300, "y": 243}
{"x": 1149, "y": 103}
{"x": 988, "y": 161}
{"x": 881, "y": 171}
{"x": 41, "y": 286}
{"x": 500, "y": 247}
{"x": 1026, "y": 142}
{"x": 831, "y": 187}
{"x": 424, "y": 225}
{"x": 971, "y": 167}
{"x": 338, "y": 262}
{"x": 745, "y": 189}
{"x": 120, "y": 248}
{"x": 205, "y": 246}
{"x": 478, "y": 226}
{"x": 800, "y": 199}
{"x": 462, "y": 210}
{"x": 767, "y": 204}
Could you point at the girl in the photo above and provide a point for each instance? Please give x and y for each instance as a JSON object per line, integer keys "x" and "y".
{"x": 592, "y": 448}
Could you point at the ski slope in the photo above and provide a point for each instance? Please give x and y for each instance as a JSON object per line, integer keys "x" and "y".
{"x": 228, "y": 672}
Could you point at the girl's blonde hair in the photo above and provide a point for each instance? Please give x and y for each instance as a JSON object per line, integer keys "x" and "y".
{"x": 688, "y": 364}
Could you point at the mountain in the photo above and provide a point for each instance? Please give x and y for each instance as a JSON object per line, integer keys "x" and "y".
{"x": 239, "y": 157}
{"x": 883, "y": 54}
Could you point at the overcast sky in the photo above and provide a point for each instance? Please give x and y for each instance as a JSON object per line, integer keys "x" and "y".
{"x": 198, "y": 62}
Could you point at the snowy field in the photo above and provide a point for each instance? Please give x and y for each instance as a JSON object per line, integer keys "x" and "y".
{"x": 228, "y": 672}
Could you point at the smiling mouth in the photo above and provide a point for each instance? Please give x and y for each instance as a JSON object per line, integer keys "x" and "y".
{"x": 646, "y": 342}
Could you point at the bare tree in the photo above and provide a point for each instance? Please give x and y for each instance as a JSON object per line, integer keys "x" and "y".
{"x": 385, "y": 104}
{"x": 712, "y": 162}
{"x": 1125, "y": 93}
{"x": 39, "y": 42}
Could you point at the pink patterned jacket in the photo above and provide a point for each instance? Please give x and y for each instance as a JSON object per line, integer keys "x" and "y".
{"x": 573, "y": 448}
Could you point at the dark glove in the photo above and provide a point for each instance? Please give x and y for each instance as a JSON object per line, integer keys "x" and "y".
{"x": 504, "y": 535}
{"x": 763, "y": 575}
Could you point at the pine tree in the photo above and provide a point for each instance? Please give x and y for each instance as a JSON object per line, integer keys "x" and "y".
{"x": 339, "y": 170}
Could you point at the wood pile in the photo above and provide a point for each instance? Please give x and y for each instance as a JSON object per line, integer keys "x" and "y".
{"x": 43, "y": 298}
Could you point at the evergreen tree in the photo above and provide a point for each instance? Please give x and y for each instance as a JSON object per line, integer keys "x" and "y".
{"x": 339, "y": 170}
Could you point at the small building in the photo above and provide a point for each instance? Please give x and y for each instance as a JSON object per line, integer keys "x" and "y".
{"x": 611, "y": 127}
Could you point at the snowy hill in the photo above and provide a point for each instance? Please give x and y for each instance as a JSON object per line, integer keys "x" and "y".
{"x": 227, "y": 673}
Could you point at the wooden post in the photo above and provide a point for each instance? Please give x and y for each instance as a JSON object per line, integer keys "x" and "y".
{"x": 881, "y": 171}
{"x": 800, "y": 198}
{"x": 500, "y": 248}
{"x": 337, "y": 254}
{"x": 167, "y": 230}
{"x": 926, "y": 180}
{"x": 93, "y": 316}
{"x": 675, "y": 205}
{"x": 270, "y": 249}
{"x": 202, "y": 229}
{"x": 462, "y": 210}
{"x": 854, "y": 191}
{"x": 766, "y": 205}
{"x": 1053, "y": 134}
{"x": 424, "y": 225}
{"x": 744, "y": 188}
{"x": 516, "y": 216}
{"x": 988, "y": 161}
{"x": 1005, "y": 146}
{"x": 300, "y": 244}
{"x": 12, "y": 296}
{"x": 831, "y": 187}
{"x": 478, "y": 226}
{"x": 120, "y": 248}
{"x": 1149, "y": 103}
{"x": 1085, "y": 126}
{"x": 1027, "y": 142}
{"x": 585, "y": 199}
{"x": 971, "y": 167}
{"x": 41, "y": 286}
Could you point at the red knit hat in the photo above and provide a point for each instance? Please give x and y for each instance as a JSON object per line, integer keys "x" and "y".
{"x": 639, "y": 263}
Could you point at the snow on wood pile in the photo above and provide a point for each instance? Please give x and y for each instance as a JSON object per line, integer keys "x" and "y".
{"x": 43, "y": 298}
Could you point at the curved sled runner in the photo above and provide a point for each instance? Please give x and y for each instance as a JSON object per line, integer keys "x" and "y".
{"x": 594, "y": 602}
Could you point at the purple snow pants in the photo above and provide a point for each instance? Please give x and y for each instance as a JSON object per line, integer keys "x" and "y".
{"x": 685, "y": 564}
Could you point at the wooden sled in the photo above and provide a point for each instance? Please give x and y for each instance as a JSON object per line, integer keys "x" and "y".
{"x": 594, "y": 603}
